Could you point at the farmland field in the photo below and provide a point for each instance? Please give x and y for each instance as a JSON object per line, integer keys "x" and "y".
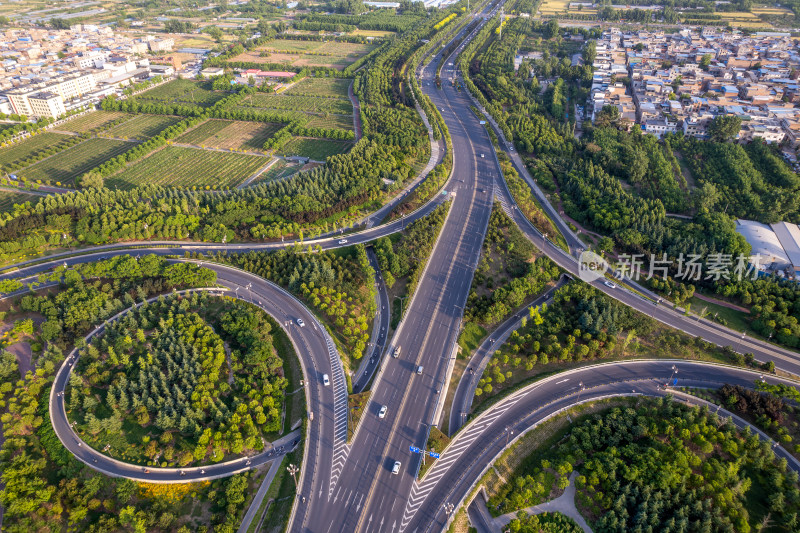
{"x": 279, "y": 169}
{"x": 372, "y": 33}
{"x": 31, "y": 146}
{"x": 342, "y": 122}
{"x": 93, "y": 121}
{"x": 176, "y": 166}
{"x": 231, "y": 135}
{"x": 71, "y": 163}
{"x": 307, "y": 53}
{"x": 8, "y": 199}
{"x": 323, "y": 87}
{"x": 183, "y": 91}
{"x": 142, "y": 127}
{"x": 316, "y": 149}
{"x": 307, "y": 104}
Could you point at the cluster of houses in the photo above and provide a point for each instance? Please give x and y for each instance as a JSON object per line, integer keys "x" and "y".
{"x": 46, "y": 73}
{"x": 681, "y": 81}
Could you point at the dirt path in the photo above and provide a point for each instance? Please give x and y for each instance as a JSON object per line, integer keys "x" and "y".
{"x": 356, "y": 110}
{"x": 230, "y": 364}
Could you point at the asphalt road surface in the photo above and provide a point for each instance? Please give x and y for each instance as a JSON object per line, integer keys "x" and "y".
{"x": 372, "y": 360}
{"x": 477, "y": 445}
{"x": 465, "y": 392}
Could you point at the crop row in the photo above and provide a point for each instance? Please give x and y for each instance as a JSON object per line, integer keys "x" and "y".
{"x": 176, "y": 166}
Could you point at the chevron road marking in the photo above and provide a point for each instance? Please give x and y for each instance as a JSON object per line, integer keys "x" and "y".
{"x": 341, "y": 450}
{"x": 421, "y": 490}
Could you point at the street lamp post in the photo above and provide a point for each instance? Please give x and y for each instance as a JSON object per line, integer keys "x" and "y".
{"x": 581, "y": 388}
{"x": 509, "y": 432}
{"x": 293, "y": 470}
{"x": 674, "y": 371}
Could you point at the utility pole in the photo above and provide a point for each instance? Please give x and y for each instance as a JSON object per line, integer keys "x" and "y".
{"x": 502, "y": 18}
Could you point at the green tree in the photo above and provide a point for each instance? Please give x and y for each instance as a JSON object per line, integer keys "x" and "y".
{"x": 723, "y": 128}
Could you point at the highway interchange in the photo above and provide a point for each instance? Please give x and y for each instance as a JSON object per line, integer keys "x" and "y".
{"x": 350, "y": 487}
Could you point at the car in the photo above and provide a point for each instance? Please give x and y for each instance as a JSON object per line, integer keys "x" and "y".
{"x": 396, "y": 352}
{"x": 382, "y": 412}
{"x": 396, "y": 467}
{"x": 326, "y": 380}
{"x": 609, "y": 285}
{"x": 343, "y": 241}
{"x": 301, "y": 323}
{"x": 482, "y": 156}
{"x": 419, "y": 369}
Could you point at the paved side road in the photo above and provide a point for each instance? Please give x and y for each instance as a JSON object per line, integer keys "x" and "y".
{"x": 262, "y": 491}
{"x": 465, "y": 393}
{"x": 372, "y": 360}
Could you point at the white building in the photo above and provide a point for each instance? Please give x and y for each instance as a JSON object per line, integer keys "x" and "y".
{"x": 789, "y": 237}
{"x": 46, "y": 104}
{"x": 764, "y": 243}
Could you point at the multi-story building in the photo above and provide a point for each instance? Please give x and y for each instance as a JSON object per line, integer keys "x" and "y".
{"x": 161, "y": 45}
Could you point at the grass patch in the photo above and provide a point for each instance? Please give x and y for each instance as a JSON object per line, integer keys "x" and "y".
{"x": 321, "y": 87}
{"x": 19, "y": 152}
{"x": 185, "y": 92}
{"x": 328, "y": 121}
{"x": 302, "y": 103}
{"x": 357, "y": 405}
{"x": 295, "y": 406}
{"x": 283, "y": 492}
{"x": 724, "y": 315}
{"x": 437, "y": 441}
{"x": 92, "y": 122}
{"x": 470, "y": 338}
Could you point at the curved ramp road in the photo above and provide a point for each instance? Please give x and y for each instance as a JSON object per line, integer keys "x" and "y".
{"x": 344, "y": 488}
{"x": 371, "y": 361}
{"x": 477, "y": 445}
{"x": 465, "y": 392}
{"x": 327, "y": 432}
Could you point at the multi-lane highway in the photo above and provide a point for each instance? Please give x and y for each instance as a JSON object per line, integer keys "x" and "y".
{"x": 351, "y": 487}
{"x": 368, "y": 496}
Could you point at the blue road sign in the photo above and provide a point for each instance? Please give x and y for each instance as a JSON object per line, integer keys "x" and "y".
{"x": 675, "y": 382}
{"x": 414, "y": 449}
{"x": 434, "y": 455}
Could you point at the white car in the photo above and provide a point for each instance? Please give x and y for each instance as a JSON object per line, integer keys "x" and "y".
{"x": 419, "y": 369}
{"x": 343, "y": 241}
{"x": 325, "y": 380}
{"x": 396, "y": 467}
{"x": 609, "y": 285}
{"x": 482, "y": 156}
{"x": 301, "y": 323}
{"x": 382, "y": 412}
